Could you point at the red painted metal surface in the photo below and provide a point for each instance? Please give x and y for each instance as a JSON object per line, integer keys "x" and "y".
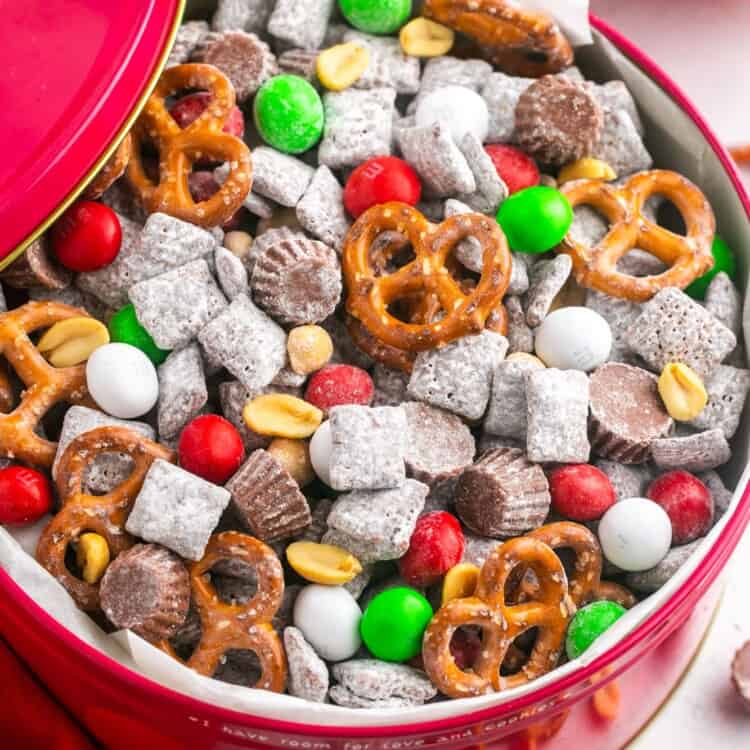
{"x": 73, "y": 72}
{"x": 125, "y": 710}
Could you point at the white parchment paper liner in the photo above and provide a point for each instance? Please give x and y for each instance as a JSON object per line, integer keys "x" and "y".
{"x": 675, "y": 143}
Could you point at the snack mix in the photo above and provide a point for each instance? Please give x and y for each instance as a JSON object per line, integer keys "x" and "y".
{"x": 317, "y": 416}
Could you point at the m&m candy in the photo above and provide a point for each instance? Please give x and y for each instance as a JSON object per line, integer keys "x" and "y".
{"x": 723, "y": 261}
{"x": 535, "y": 219}
{"x": 376, "y": 16}
{"x": 211, "y": 448}
{"x": 25, "y": 495}
{"x": 589, "y": 623}
{"x": 124, "y": 328}
{"x": 381, "y": 180}
{"x": 87, "y": 236}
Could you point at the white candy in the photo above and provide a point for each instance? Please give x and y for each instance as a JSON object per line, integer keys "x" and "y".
{"x": 328, "y": 617}
{"x": 573, "y": 338}
{"x": 320, "y": 452}
{"x": 635, "y": 534}
{"x": 459, "y": 109}
{"x": 122, "y": 380}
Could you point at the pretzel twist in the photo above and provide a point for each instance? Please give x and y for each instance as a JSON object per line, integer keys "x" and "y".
{"x": 688, "y": 256}
{"x": 522, "y": 42}
{"x": 247, "y": 626}
{"x": 102, "y": 514}
{"x": 501, "y": 622}
{"x": 45, "y": 385}
{"x": 113, "y": 169}
{"x": 180, "y": 147}
{"x": 426, "y": 281}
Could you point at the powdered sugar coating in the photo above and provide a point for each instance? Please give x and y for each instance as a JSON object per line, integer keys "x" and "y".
{"x": 308, "y": 673}
{"x": 248, "y": 15}
{"x": 368, "y": 446}
{"x": 343, "y": 697}
{"x": 177, "y": 509}
{"x": 694, "y": 453}
{"x": 280, "y": 177}
{"x": 390, "y": 386}
{"x": 321, "y": 209}
{"x": 301, "y": 23}
{"x": 506, "y": 415}
{"x": 189, "y": 36}
{"x": 490, "y": 191}
{"x": 547, "y": 279}
{"x": 231, "y": 273}
{"x": 520, "y": 336}
{"x": 458, "y": 377}
{"x": 628, "y": 480}
{"x": 727, "y": 389}
{"x": 724, "y": 302}
{"x": 376, "y": 525}
{"x": 653, "y": 579}
{"x": 620, "y": 144}
{"x": 389, "y": 65}
{"x": 378, "y": 680}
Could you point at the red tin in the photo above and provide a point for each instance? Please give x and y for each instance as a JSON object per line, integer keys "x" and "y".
{"x": 125, "y": 710}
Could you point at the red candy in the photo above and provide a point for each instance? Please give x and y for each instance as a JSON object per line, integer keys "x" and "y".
{"x": 688, "y": 503}
{"x": 202, "y": 186}
{"x": 25, "y": 495}
{"x": 436, "y": 545}
{"x": 187, "y": 110}
{"x": 465, "y": 646}
{"x": 87, "y": 236}
{"x": 516, "y": 169}
{"x": 581, "y": 492}
{"x": 381, "y": 180}
{"x": 336, "y": 385}
{"x": 211, "y": 448}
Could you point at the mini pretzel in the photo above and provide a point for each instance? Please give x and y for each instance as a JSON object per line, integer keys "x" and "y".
{"x": 427, "y": 277}
{"x": 225, "y": 627}
{"x": 180, "y": 147}
{"x": 521, "y": 42}
{"x": 45, "y": 385}
{"x": 113, "y": 169}
{"x": 585, "y": 584}
{"x": 501, "y": 622}
{"x": 102, "y": 514}
{"x": 688, "y": 256}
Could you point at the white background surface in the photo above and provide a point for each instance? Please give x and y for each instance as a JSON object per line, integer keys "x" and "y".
{"x": 704, "y": 45}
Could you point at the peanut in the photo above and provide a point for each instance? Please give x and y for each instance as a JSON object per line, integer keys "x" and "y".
{"x": 682, "y": 392}
{"x": 92, "y": 556}
{"x": 524, "y": 357}
{"x": 238, "y": 243}
{"x": 323, "y": 563}
{"x": 280, "y": 415}
{"x": 342, "y": 66}
{"x": 309, "y": 348}
{"x": 73, "y": 341}
{"x": 587, "y": 168}
{"x": 294, "y": 456}
{"x": 424, "y": 38}
{"x": 459, "y": 582}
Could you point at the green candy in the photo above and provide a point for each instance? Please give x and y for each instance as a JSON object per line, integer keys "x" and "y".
{"x": 376, "y": 16}
{"x": 724, "y": 261}
{"x": 589, "y": 623}
{"x": 289, "y": 114}
{"x": 124, "y": 328}
{"x": 394, "y": 622}
{"x": 535, "y": 219}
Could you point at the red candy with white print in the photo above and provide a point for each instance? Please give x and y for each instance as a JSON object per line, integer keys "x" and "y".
{"x": 337, "y": 385}
{"x": 516, "y": 169}
{"x": 436, "y": 545}
{"x": 211, "y": 448}
{"x": 87, "y": 236}
{"x": 25, "y": 495}
{"x": 381, "y": 180}
{"x": 688, "y": 504}
{"x": 581, "y": 492}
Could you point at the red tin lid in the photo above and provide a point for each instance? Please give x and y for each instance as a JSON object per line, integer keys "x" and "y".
{"x": 74, "y": 77}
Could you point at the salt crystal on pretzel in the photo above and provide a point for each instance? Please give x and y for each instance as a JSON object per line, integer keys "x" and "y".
{"x": 548, "y": 277}
{"x": 247, "y": 15}
{"x": 280, "y": 177}
{"x": 674, "y": 328}
{"x": 377, "y": 524}
{"x": 694, "y": 453}
{"x": 437, "y": 160}
{"x": 506, "y": 415}
{"x": 231, "y": 273}
{"x": 175, "y": 306}
{"x": 503, "y": 495}
{"x": 557, "y": 409}
{"x": 188, "y": 37}
{"x": 458, "y": 377}
{"x": 490, "y": 191}
{"x": 439, "y": 444}
{"x": 359, "y": 126}
{"x": 182, "y": 390}
{"x": 109, "y": 470}
{"x": 177, "y": 509}
{"x": 247, "y": 342}
{"x": 389, "y": 65}
{"x": 37, "y": 266}
{"x": 267, "y": 498}
{"x": 367, "y": 447}
{"x": 377, "y": 680}
{"x": 321, "y": 209}
{"x": 649, "y": 581}
{"x": 727, "y": 389}
{"x": 301, "y": 23}
{"x": 308, "y": 673}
